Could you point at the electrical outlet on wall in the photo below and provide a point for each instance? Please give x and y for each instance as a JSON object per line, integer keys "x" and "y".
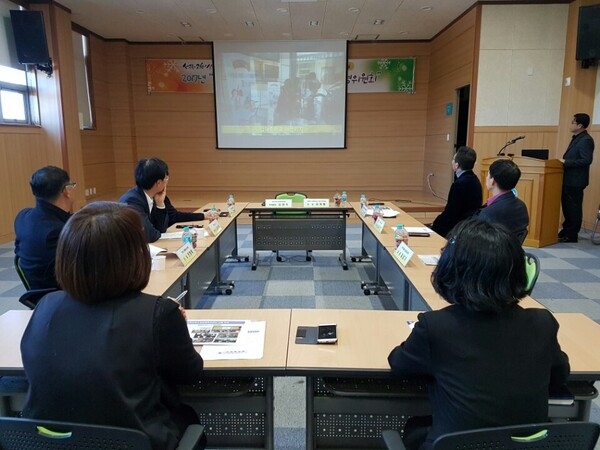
{"x": 87, "y": 192}
{"x": 93, "y": 191}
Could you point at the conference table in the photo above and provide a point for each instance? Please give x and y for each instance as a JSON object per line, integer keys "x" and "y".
{"x": 204, "y": 268}
{"x": 298, "y": 227}
{"x": 350, "y": 393}
{"x": 408, "y": 285}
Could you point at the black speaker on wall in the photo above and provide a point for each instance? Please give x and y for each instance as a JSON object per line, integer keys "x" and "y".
{"x": 30, "y": 39}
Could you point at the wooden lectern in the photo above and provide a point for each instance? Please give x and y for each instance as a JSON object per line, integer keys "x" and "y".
{"x": 540, "y": 188}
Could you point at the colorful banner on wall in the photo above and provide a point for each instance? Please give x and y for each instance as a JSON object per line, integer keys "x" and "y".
{"x": 180, "y": 75}
{"x": 381, "y": 75}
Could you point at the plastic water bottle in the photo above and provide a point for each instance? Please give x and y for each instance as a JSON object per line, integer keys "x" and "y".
{"x": 213, "y": 214}
{"x": 344, "y": 197}
{"x": 336, "y": 199}
{"x": 376, "y": 211}
{"x": 363, "y": 200}
{"x": 231, "y": 204}
{"x": 400, "y": 235}
{"x": 186, "y": 236}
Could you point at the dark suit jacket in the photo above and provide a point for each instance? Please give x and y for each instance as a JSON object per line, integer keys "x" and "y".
{"x": 578, "y": 159}
{"x": 488, "y": 369}
{"x": 156, "y": 222}
{"x": 36, "y": 236}
{"x": 116, "y": 362}
{"x": 178, "y": 216}
{"x": 509, "y": 211}
{"x": 464, "y": 199}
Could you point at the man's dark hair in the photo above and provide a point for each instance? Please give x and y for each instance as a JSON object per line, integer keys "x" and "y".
{"x": 48, "y": 182}
{"x": 149, "y": 171}
{"x": 465, "y": 157}
{"x": 102, "y": 253}
{"x": 582, "y": 119}
{"x": 481, "y": 268}
{"x": 505, "y": 173}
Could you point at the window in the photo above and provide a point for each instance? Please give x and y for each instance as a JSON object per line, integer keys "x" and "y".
{"x": 18, "y": 95}
{"x": 81, "y": 56}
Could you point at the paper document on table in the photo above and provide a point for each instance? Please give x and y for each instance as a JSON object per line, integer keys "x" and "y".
{"x": 430, "y": 260}
{"x": 154, "y": 250}
{"x": 250, "y": 345}
{"x": 215, "y": 332}
{"x": 418, "y": 230}
{"x": 177, "y": 234}
{"x": 385, "y": 212}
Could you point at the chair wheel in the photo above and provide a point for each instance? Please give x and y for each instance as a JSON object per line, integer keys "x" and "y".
{"x": 308, "y": 258}
{"x": 367, "y": 291}
{"x": 279, "y": 259}
{"x": 228, "y": 291}
{"x": 253, "y": 267}
{"x": 247, "y": 259}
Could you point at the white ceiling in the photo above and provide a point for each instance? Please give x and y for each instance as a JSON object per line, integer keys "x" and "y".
{"x": 214, "y": 20}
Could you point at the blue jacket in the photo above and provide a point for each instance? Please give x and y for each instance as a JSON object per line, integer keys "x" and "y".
{"x": 509, "y": 211}
{"x": 156, "y": 222}
{"x": 36, "y": 236}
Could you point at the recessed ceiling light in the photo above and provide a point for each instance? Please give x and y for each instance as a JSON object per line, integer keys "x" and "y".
{"x": 344, "y": 33}
{"x": 353, "y": 10}
{"x": 286, "y": 34}
{"x": 185, "y": 24}
{"x": 249, "y": 23}
{"x": 139, "y": 11}
{"x": 378, "y": 22}
{"x": 426, "y": 8}
{"x": 403, "y": 33}
{"x": 313, "y": 23}
{"x": 228, "y": 34}
{"x": 282, "y": 10}
{"x": 211, "y": 11}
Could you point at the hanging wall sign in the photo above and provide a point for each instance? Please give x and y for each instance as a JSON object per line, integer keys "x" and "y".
{"x": 381, "y": 75}
{"x": 179, "y": 75}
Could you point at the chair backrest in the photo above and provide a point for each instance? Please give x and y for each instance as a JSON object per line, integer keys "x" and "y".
{"x": 26, "y": 434}
{"x": 532, "y": 267}
{"x": 544, "y": 436}
{"x": 21, "y": 273}
{"x": 295, "y": 197}
{"x": 32, "y": 297}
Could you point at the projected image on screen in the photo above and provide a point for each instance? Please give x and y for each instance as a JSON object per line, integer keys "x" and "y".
{"x": 284, "y": 94}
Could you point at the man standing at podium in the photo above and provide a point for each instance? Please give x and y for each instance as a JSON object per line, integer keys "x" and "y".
{"x": 577, "y": 160}
{"x": 465, "y": 196}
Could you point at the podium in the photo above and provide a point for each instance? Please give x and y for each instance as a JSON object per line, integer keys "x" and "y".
{"x": 540, "y": 188}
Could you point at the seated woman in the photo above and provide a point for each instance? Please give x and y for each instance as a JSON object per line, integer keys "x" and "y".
{"x": 492, "y": 362}
{"x": 100, "y": 351}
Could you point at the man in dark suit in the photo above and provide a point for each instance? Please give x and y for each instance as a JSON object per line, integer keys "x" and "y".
{"x": 465, "y": 197}
{"x": 37, "y": 229}
{"x": 503, "y": 206}
{"x": 149, "y": 198}
{"x": 577, "y": 160}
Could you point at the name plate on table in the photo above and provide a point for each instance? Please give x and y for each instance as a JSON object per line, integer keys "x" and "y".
{"x": 214, "y": 227}
{"x": 186, "y": 253}
{"x": 363, "y": 210}
{"x": 316, "y": 203}
{"x": 403, "y": 253}
{"x": 379, "y": 224}
{"x": 278, "y": 203}
{"x": 231, "y": 210}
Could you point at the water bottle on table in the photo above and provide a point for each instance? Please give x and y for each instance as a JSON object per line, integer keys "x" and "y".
{"x": 400, "y": 235}
{"x": 376, "y": 211}
{"x": 363, "y": 200}
{"x": 186, "y": 236}
{"x": 344, "y": 197}
{"x": 231, "y": 204}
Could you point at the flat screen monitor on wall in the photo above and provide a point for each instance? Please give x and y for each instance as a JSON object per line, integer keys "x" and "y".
{"x": 588, "y": 34}
{"x": 280, "y": 94}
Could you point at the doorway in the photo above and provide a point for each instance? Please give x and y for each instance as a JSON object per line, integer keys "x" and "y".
{"x": 462, "y": 116}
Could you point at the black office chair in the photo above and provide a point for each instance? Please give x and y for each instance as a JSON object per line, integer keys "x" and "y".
{"x": 295, "y": 197}
{"x": 32, "y": 297}
{"x": 27, "y": 434}
{"x": 21, "y": 273}
{"x": 532, "y": 267}
{"x": 543, "y": 436}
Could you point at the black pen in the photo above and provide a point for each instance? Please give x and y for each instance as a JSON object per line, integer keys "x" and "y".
{"x": 190, "y": 226}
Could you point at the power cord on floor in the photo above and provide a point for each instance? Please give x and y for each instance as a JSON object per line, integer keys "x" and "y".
{"x": 429, "y": 175}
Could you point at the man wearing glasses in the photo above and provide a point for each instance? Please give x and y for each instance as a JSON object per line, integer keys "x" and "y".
{"x": 37, "y": 229}
{"x": 577, "y": 160}
{"x": 149, "y": 198}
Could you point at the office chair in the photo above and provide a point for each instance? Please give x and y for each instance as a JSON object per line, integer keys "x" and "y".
{"x": 32, "y": 297}
{"x": 21, "y": 273}
{"x": 295, "y": 197}
{"x": 532, "y": 268}
{"x": 25, "y": 434}
{"x": 543, "y": 436}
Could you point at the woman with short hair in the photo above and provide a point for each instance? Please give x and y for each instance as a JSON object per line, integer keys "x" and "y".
{"x": 492, "y": 363}
{"x": 101, "y": 351}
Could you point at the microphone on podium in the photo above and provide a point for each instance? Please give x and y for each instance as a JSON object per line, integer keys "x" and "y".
{"x": 511, "y": 142}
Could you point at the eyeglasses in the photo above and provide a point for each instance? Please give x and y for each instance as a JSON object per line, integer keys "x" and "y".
{"x": 71, "y": 184}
